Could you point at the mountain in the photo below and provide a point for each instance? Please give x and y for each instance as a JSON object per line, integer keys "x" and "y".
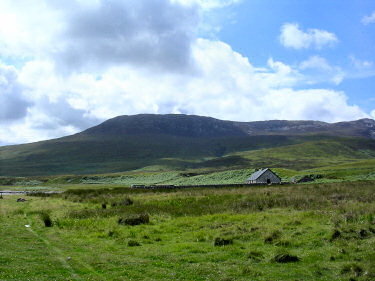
{"x": 199, "y": 126}
{"x": 360, "y": 128}
{"x": 179, "y": 125}
{"x": 190, "y": 142}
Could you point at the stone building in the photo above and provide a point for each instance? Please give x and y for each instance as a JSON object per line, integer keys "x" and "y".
{"x": 265, "y": 176}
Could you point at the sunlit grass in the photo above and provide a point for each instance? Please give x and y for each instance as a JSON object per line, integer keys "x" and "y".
{"x": 330, "y": 228}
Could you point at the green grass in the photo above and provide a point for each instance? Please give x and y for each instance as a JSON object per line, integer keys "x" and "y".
{"x": 351, "y": 170}
{"x": 312, "y": 154}
{"x": 80, "y": 154}
{"x": 87, "y": 155}
{"x": 329, "y": 227}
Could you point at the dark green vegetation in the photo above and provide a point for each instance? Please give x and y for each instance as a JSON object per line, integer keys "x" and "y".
{"x": 185, "y": 143}
{"x": 296, "y": 232}
{"x": 353, "y": 170}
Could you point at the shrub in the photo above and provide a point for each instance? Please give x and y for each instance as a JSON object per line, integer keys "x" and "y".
{"x": 271, "y": 237}
{"x": 363, "y": 233}
{"x": 255, "y": 256}
{"x": 352, "y": 268}
{"x": 127, "y": 201}
{"x": 336, "y": 234}
{"x": 222, "y": 241}
{"x": 285, "y": 258}
{"x": 135, "y": 220}
{"x": 40, "y": 194}
{"x": 46, "y": 219}
{"x": 133, "y": 243}
{"x": 112, "y": 233}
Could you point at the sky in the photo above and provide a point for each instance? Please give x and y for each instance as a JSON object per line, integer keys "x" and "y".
{"x": 68, "y": 65}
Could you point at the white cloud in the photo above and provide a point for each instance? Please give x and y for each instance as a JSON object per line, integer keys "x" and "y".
{"x": 13, "y": 103}
{"x": 369, "y": 19}
{"x": 280, "y": 75}
{"x": 227, "y": 86}
{"x": 316, "y": 62}
{"x": 80, "y": 35}
{"x": 360, "y": 68}
{"x": 293, "y": 37}
{"x": 361, "y": 64}
{"x": 222, "y": 83}
{"x": 373, "y": 114}
{"x": 27, "y": 28}
{"x": 209, "y": 4}
{"x": 317, "y": 69}
{"x": 154, "y": 34}
{"x": 92, "y": 35}
{"x": 313, "y": 104}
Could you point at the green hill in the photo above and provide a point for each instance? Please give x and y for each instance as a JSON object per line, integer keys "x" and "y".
{"x": 178, "y": 142}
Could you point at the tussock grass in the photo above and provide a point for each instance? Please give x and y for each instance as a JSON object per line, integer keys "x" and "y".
{"x": 46, "y": 219}
{"x": 135, "y": 220}
{"x": 285, "y": 257}
{"x": 223, "y": 241}
{"x": 178, "y": 241}
{"x": 195, "y": 202}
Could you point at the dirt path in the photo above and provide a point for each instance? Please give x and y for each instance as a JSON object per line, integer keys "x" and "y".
{"x": 61, "y": 256}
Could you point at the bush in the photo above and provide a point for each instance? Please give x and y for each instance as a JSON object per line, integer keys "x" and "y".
{"x": 285, "y": 258}
{"x": 222, "y": 242}
{"x": 46, "y": 219}
{"x": 127, "y": 201}
{"x": 135, "y": 220}
{"x": 271, "y": 237}
{"x": 363, "y": 233}
{"x": 352, "y": 268}
{"x": 133, "y": 243}
{"x": 336, "y": 234}
{"x": 255, "y": 256}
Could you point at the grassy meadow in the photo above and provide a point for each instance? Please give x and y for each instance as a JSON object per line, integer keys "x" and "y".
{"x": 79, "y": 155}
{"x": 322, "y": 231}
{"x": 336, "y": 171}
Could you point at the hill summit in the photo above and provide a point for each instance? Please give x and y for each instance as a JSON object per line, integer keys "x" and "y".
{"x": 200, "y": 126}
{"x": 169, "y": 124}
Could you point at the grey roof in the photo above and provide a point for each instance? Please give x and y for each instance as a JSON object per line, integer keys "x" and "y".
{"x": 257, "y": 174}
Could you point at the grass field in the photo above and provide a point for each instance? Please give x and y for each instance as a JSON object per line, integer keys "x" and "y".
{"x": 100, "y": 155}
{"x": 320, "y": 231}
{"x": 348, "y": 170}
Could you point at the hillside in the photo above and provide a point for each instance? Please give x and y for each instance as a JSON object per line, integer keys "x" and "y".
{"x": 192, "y": 142}
{"x": 171, "y": 124}
{"x": 200, "y": 126}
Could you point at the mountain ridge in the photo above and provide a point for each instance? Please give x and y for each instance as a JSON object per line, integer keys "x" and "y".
{"x": 182, "y": 142}
{"x": 202, "y": 126}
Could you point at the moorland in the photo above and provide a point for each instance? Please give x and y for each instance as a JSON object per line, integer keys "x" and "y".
{"x": 289, "y": 232}
{"x": 95, "y": 227}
